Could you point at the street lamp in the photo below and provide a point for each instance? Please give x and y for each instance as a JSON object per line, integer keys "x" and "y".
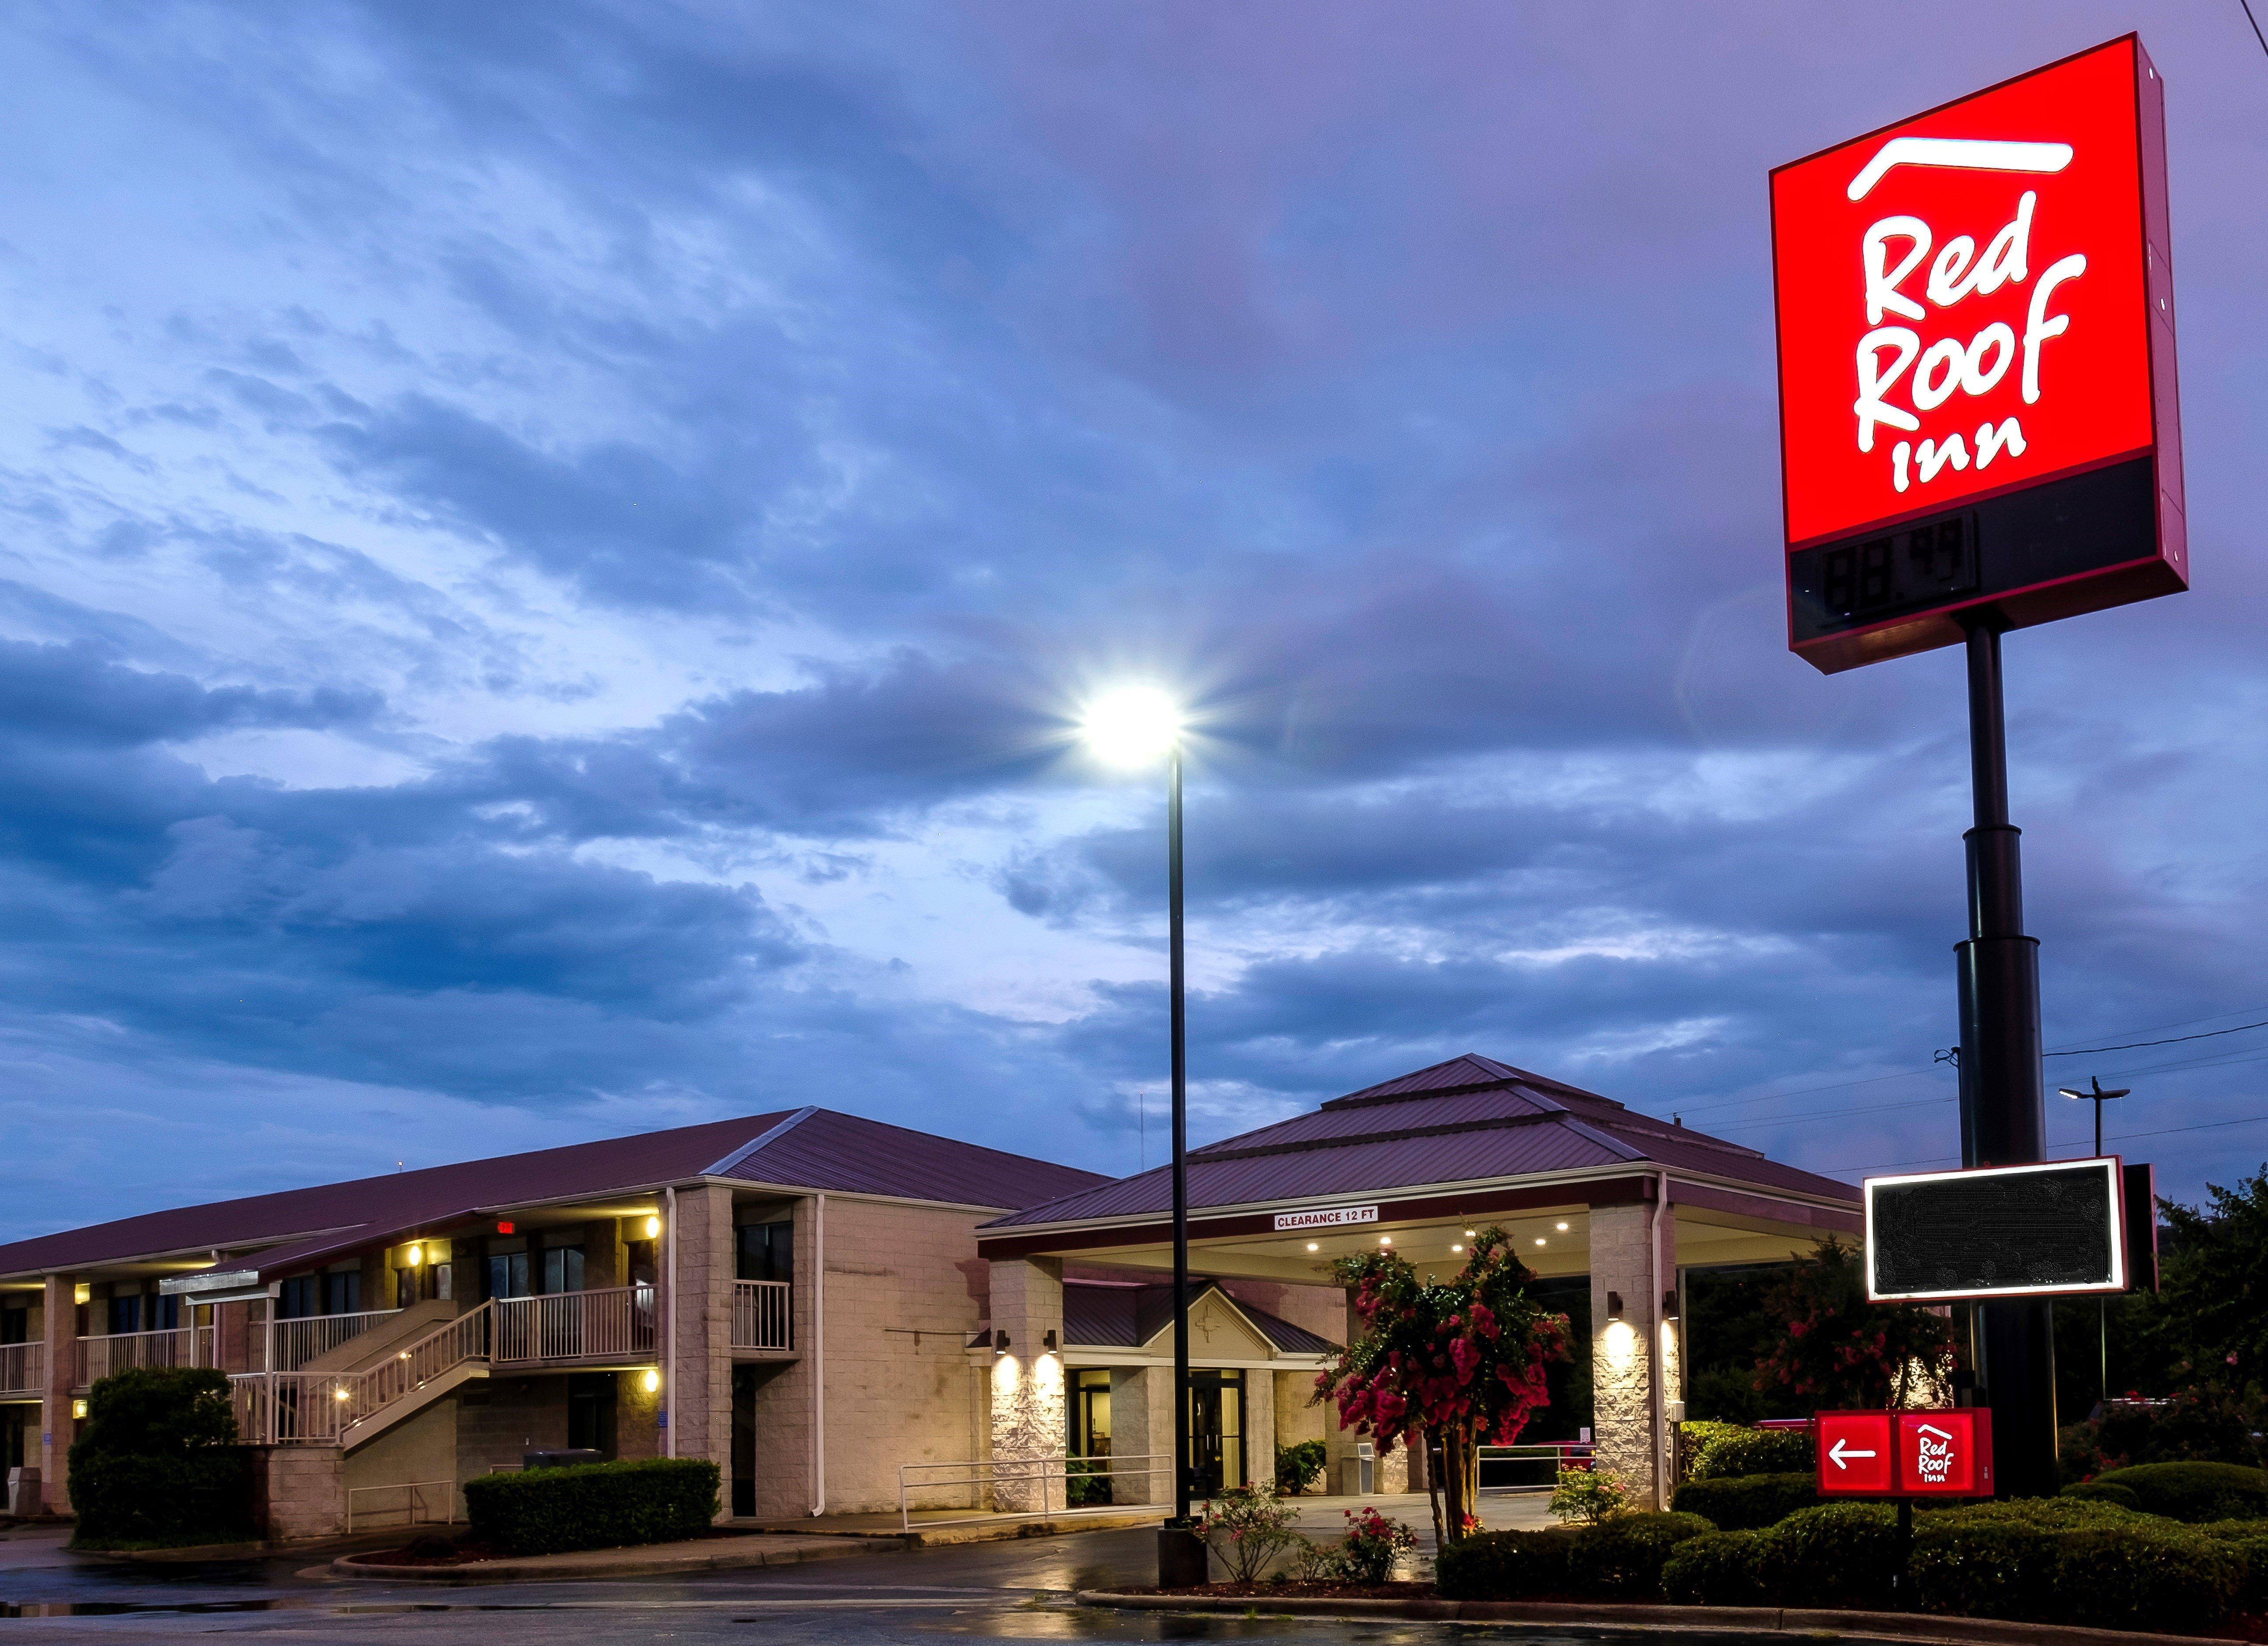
{"x": 2098, "y": 1097}
{"x": 1133, "y": 726}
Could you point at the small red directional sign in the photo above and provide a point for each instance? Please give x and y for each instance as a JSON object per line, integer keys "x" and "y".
{"x": 1905, "y": 1454}
{"x": 1946, "y": 1454}
{"x": 1856, "y": 1454}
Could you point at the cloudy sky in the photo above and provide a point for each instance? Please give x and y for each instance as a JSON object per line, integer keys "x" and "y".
{"x": 551, "y": 551}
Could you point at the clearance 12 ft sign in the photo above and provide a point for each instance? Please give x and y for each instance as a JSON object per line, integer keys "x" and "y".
{"x": 1977, "y": 398}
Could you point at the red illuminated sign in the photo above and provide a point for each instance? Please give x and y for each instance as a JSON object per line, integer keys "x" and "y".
{"x": 1976, "y": 304}
{"x": 1946, "y": 1454}
{"x": 1905, "y": 1454}
{"x": 1857, "y": 1455}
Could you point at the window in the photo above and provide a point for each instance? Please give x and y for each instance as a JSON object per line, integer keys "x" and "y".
{"x": 1090, "y": 1431}
{"x": 767, "y": 1252}
{"x": 15, "y": 1326}
{"x": 126, "y": 1314}
{"x": 300, "y": 1296}
{"x": 508, "y": 1267}
{"x": 343, "y": 1291}
{"x": 563, "y": 1269}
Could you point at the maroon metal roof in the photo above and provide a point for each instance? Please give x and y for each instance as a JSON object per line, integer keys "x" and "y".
{"x": 838, "y": 1153}
{"x": 1466, "y": 1120}
{"x": 1128, "y": 1317}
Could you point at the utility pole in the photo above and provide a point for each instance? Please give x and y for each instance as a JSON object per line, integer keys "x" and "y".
{"x": 2098, "y": 1097}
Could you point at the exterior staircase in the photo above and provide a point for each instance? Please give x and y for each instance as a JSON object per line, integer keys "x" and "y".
{"x": 372, "y": 1386}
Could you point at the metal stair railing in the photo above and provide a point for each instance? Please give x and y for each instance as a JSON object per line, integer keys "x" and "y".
{"x": 322, "y": 1408}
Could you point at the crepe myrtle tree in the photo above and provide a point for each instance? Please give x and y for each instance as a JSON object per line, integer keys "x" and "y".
{"x": 1838, "y": 1351}
{"x": 1450, "y": 1365}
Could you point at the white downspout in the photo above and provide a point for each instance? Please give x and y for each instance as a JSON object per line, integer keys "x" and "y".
{"x": 819, "y": 1356}
{"x": 669, "y": 1350}
{"x": 1653, "y": 1358}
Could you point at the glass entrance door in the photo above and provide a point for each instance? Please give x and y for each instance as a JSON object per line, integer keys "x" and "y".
{"x": 1216, "y": 1431}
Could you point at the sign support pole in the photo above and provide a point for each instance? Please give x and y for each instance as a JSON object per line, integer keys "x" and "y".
{"x": 2003, "y": 1108}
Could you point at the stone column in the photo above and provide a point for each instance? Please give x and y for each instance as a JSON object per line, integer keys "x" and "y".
{"x": 701, "y": 1313}
{"x": 1633, "y": 1357}
{"x": 1028, "y": 1419}
{"x": 59, "y": 1306}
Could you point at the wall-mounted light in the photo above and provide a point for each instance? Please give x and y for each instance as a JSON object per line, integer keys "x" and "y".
{"x": 653, "y": 1229}
{"x": 82, "y": 1292}
{"x": 416, "y": 1255}
{"x": 338, "y": 1394}
{"x": 999, "y": 1342}
{"x": 651, "y": 1381}
{"x": 506, "y": 1228}
{"x": 1049, "y": 1342}
{"x": 1614, "y": 1305}
{"x": 1669, "y": 1305}
{"x": 78, "y": 1408}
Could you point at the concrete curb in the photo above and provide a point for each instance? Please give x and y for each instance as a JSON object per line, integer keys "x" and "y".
{"x": 712, "y": 1555}
{"x": 1884, "y": 1626}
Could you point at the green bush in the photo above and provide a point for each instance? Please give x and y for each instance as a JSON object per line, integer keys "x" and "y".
{"x": 1747, "y": 1503}
{"x": 1979, "y": 1568}
{"x": 158, "y": 1462}
{"x": 1717, "y": 1568}
{"x": 593, "y": 1505}
{"x": 203, "y": 1496}
{"x": 1757, "y": 1451}
{"x": 2196, "y": 1492}
{"x": 2104, "y": 1492}
{"x": 1837, "y": 1554}
{"x": 2169, "y": 1580}
{"x": 1697, "y": 1435}
{"x": 2047, "y": 1514}
{"x": 1506, "y": 1565}
{"x": 1620, "y": 1559}
{"x": 1297, "y": 1466}
{"x": 2249, "y": 1538}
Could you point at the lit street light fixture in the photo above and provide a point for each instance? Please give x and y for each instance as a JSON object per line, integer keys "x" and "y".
{"x": 1133, "y": 726}
{"x": 2098, "y": 1097}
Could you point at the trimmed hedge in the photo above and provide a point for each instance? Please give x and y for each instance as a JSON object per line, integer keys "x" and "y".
{"x": 203, "y": 1496}
{"x": 1757, "y": 1451}
{"x": 2250, "y": 1538}
{"x": 1987, "y": 1568}
{"x": 1504, "y": 1565}
{"x": 1622, "y": 1558}
{"x": 2196, "y": 1492}
{"x": 2140, "y": 1577}
{"x": 593, "y": 1505}
{"x": 2104, "y": 1492}
{"x": 1748, "y": 1502}
{"x": 1717, "y": 1568}
{"x": 1837, "y": 1554}
{"x": 157, "y": 1463}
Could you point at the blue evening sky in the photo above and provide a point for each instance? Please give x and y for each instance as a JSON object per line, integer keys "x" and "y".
{"x": 550, "y": 552}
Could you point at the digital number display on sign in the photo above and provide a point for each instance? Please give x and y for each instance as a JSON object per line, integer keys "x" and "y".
{"x": 1978, "y": 396}
{"x": 2053, "y": 1228}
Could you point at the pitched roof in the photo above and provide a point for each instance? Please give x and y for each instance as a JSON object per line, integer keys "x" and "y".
{"x": 1128, "y": 1317}
{"x": 809, "y": 1148}
{"x": 1468, "y": 1119}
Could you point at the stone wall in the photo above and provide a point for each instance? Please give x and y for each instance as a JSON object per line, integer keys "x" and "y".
{"x": 299, "y": 1491}
{"x": 417, "y": 1450}
{"x": 1631, "y": 1358}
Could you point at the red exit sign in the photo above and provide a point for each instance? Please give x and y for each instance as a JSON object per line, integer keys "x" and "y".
{"x": 1975, "y": 305}
{"x": 1905, "y": 1454}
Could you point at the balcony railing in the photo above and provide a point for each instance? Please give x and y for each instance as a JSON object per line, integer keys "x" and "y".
{"x": 23, "y": 1367}
{"x": 614, "y": 1323}
{"x": 124, "y": 1351}
{"x": 761, "y": 1318}
{"x": 300, "y": 1341}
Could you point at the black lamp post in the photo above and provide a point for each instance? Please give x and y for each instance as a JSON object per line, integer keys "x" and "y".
{"x": 2098, "y": 1097}
{"x": 1136, "y": 724}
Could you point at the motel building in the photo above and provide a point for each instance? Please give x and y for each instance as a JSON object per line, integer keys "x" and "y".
{"x": 845, "y": 1315}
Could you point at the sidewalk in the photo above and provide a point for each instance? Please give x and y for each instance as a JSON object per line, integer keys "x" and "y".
{"x": 652, "y": 1559}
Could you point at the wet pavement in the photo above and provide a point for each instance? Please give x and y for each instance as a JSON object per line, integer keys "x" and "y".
{"x": 1013, "y": 1591}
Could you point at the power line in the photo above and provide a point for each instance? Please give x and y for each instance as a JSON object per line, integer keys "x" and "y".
{"x": 2132, "y": 1046}
{"x": 2123, "y": 1137}
{"x": 2255, "y": 21}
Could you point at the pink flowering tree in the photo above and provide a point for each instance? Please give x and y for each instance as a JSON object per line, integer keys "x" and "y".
{"x": 1450, "y": 1365}
{"x": 1839, "y": 1351}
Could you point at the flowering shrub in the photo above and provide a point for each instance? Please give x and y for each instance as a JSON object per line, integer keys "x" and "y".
{"x": 1841, "y": 1351}
{"x": 1372, "y": 1544}
{"x": 1588, "y": 1496}
{"x": 1460, "y": 1362}
{"x": 1248, "y": 1528}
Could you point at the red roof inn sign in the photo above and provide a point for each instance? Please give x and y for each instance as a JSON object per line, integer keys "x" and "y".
{"x": 1977, "y": 398}
{"x": 1905, "y": 1454}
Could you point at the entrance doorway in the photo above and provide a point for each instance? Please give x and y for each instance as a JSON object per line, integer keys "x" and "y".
{"x": 1216, "y": 1431}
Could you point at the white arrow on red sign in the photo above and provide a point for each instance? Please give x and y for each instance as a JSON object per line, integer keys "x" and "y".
{"x": 1842, "y": 1449}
